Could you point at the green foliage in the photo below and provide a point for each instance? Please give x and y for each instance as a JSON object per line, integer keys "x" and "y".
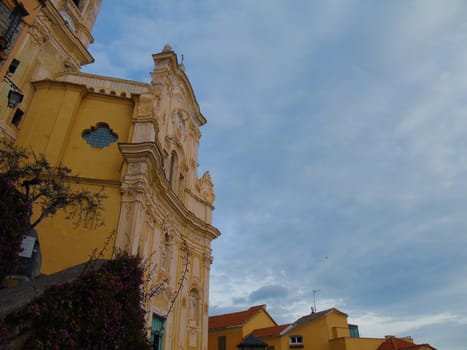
{"x": 14, "y": 224}
{"x": 100, "y": 310}
{"x": 48, "y": 186}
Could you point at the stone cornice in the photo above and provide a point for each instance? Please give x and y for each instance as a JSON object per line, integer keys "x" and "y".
{"x": 49, "y": 82}
{"x": 94, "y": 181}
{"x": 107, "y": 83}
{"x": 149, "y": 154}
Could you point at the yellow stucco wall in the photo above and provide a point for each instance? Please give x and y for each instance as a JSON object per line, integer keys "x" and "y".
{"x": 315, "y": 335}
{"x": 233, "y": 338}
{"x": 54, "y": 124}
{"x": 355, "y": 343}
{"x": 275, "y": 342}
{"x": 337, "y": 325}
{"x": 260, "y": 320}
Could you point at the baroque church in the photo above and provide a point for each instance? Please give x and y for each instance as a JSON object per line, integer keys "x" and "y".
{"x": 135, "y": 141}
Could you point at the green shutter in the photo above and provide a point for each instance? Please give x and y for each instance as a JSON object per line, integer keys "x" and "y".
{"x": 157, "y": 331}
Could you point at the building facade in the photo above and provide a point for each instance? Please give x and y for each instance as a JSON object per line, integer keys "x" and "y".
{"x": 227, "y": 331}
{"x": 137, "y": 142}
{"x": 323, "y": 330}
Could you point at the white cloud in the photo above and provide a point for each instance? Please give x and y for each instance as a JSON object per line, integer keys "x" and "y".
{"x": 372, "y": 325}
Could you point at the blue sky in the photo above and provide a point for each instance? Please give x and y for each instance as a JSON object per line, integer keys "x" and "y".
{"x": 337, "y": 143}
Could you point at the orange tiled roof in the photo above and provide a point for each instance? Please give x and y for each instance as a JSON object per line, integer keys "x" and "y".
{"x": 270, "y": 331}
{"x": 233, "y": 319}
{"x": 393, "y": 343}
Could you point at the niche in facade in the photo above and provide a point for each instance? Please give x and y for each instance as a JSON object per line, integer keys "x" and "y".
{"x": 100, "y": 136}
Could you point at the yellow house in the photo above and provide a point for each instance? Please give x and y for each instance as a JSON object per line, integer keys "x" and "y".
{"x": 323, "y": 330}
{"x": 135, "y": 141}
{"x": 228, "y": 330}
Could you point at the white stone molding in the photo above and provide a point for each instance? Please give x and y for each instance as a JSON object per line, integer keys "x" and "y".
{"x": 96, "y": 83}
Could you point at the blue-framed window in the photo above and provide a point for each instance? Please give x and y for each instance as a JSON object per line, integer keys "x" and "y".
{"x": 353, "y": 330}
{"x": 100, "y": 136}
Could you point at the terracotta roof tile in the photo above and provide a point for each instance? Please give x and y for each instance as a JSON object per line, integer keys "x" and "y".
{"x": 270, "y": 331}
{"x": 393, "y": 343}
{"x": 234, "y": 319}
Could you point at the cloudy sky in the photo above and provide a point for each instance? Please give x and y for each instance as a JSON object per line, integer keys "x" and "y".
{"x": 337, "y": 142}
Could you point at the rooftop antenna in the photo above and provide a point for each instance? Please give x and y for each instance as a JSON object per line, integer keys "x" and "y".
{"x": 314, "y": 300}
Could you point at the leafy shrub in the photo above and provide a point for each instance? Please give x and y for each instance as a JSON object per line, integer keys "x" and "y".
{"x": 100, "y": 310}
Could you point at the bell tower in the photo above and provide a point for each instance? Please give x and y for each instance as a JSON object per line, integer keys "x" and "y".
{"x": 51, "y": 38}
{"x": 63, "y": 35}
{"x": 79, "y": 16}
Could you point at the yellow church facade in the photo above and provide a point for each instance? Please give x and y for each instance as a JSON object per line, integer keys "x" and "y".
{"x": 136, "y": 142}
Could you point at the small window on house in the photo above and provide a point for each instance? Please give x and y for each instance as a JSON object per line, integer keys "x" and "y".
{"x": 100, "y": 136}
{"x": 296, "y": 340}
{"x": 16, "y": 120}
{"x": 353, "y": 330}
{"x": 222, "y": 343}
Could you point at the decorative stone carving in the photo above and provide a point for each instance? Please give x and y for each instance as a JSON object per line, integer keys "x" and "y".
{"x": 207, "y": 188}
{"x": 38, "y": 33}
{"x": 146, "y": 104}
{"x": 167, "y": 48}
